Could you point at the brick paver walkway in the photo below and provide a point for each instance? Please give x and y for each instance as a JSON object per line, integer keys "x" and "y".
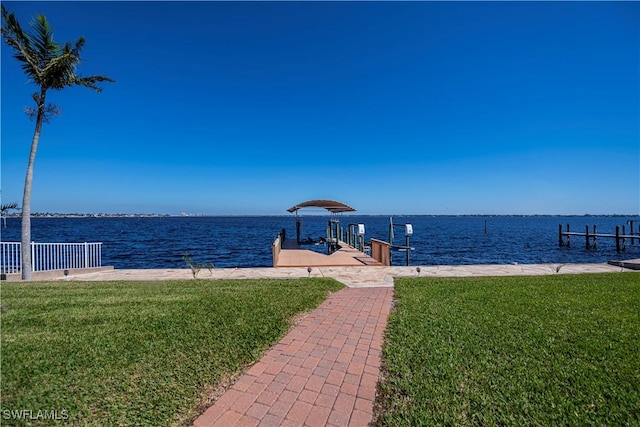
{"x": 322, "y": 373}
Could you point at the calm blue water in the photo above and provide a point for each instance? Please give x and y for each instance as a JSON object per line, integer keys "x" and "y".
{"x": 246, "y": 241}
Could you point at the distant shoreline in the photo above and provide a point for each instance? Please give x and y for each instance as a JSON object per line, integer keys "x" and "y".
{"x": 152, "y": 215}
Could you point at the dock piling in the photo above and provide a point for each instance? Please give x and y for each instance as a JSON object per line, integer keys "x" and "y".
{"x": 560, "y": 241}
{"x": 406, "y": 243}
{"x": 586, "y": 235}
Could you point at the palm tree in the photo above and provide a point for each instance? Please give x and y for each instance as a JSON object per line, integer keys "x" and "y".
{"x": 49, "y": 66}
{"x": 6, "y": 208}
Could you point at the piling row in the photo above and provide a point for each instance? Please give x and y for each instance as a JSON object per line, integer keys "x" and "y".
{"x": 591, "y": 238}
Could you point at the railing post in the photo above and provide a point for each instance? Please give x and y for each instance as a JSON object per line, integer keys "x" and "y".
{"x": 86, "y": 255}
{"x": 618, "y": 238}
{"x": 33, "y": 256}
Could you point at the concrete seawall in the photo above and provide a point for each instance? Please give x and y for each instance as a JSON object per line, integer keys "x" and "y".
{"x": 350, "y": 276}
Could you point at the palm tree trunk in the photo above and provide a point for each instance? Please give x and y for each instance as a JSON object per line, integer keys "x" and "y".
{"x": 25, "y": 236}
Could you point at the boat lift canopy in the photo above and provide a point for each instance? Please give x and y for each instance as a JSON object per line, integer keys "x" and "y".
{"x": 330, "y": 205}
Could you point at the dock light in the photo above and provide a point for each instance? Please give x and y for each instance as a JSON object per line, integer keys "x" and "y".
{"x": 360, "y": 229}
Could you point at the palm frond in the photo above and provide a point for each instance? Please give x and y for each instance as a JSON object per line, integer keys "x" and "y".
{"x": 78, "y": 45}
{"x": 91, "y": 81}
{"x": 20, "y": 43}
{"x": 42, "y": 41}
{"x": 8, "y": 206}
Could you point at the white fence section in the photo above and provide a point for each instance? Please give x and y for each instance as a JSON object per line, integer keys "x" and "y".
{"x": 51, "y": 256}
{"x": 9, "y": 257}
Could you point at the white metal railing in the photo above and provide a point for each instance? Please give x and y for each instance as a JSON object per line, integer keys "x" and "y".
{"x": 9, "y": 257}
{"x": 51, "y": 256}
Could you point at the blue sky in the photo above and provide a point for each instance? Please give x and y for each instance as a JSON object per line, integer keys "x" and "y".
{"x": 392, "y": 108}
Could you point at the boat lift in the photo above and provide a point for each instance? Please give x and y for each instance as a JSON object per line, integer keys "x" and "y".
{"x": 334, "y": 233}
{"x": 355, "y": 238}
{"x": 408, "y": 232}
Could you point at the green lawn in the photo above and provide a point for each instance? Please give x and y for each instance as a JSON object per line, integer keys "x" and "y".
{"x": 137, "y": 353}
{"x": 539, "y": 351}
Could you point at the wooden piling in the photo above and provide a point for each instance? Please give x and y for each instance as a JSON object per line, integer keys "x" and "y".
{"x": 560, "y": 240}
{"x": 591, "y": 237}
{"x": 586, "y": 237}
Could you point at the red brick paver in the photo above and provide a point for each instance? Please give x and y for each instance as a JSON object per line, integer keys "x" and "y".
{"x": 322, "y": 373}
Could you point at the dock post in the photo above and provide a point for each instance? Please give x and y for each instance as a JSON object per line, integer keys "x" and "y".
{"x": 618, "y": 238}
{"x": 560, "y": 242}
{"x": 586, "y": 235}
{"x": 408, "y": 248}
{"x": 329, "y": 238}
{"x": 568, "y": 236}
{"x": 624, "y": 239}
{"x": 630, "y": 222}
{"x": 595, "y": 237}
